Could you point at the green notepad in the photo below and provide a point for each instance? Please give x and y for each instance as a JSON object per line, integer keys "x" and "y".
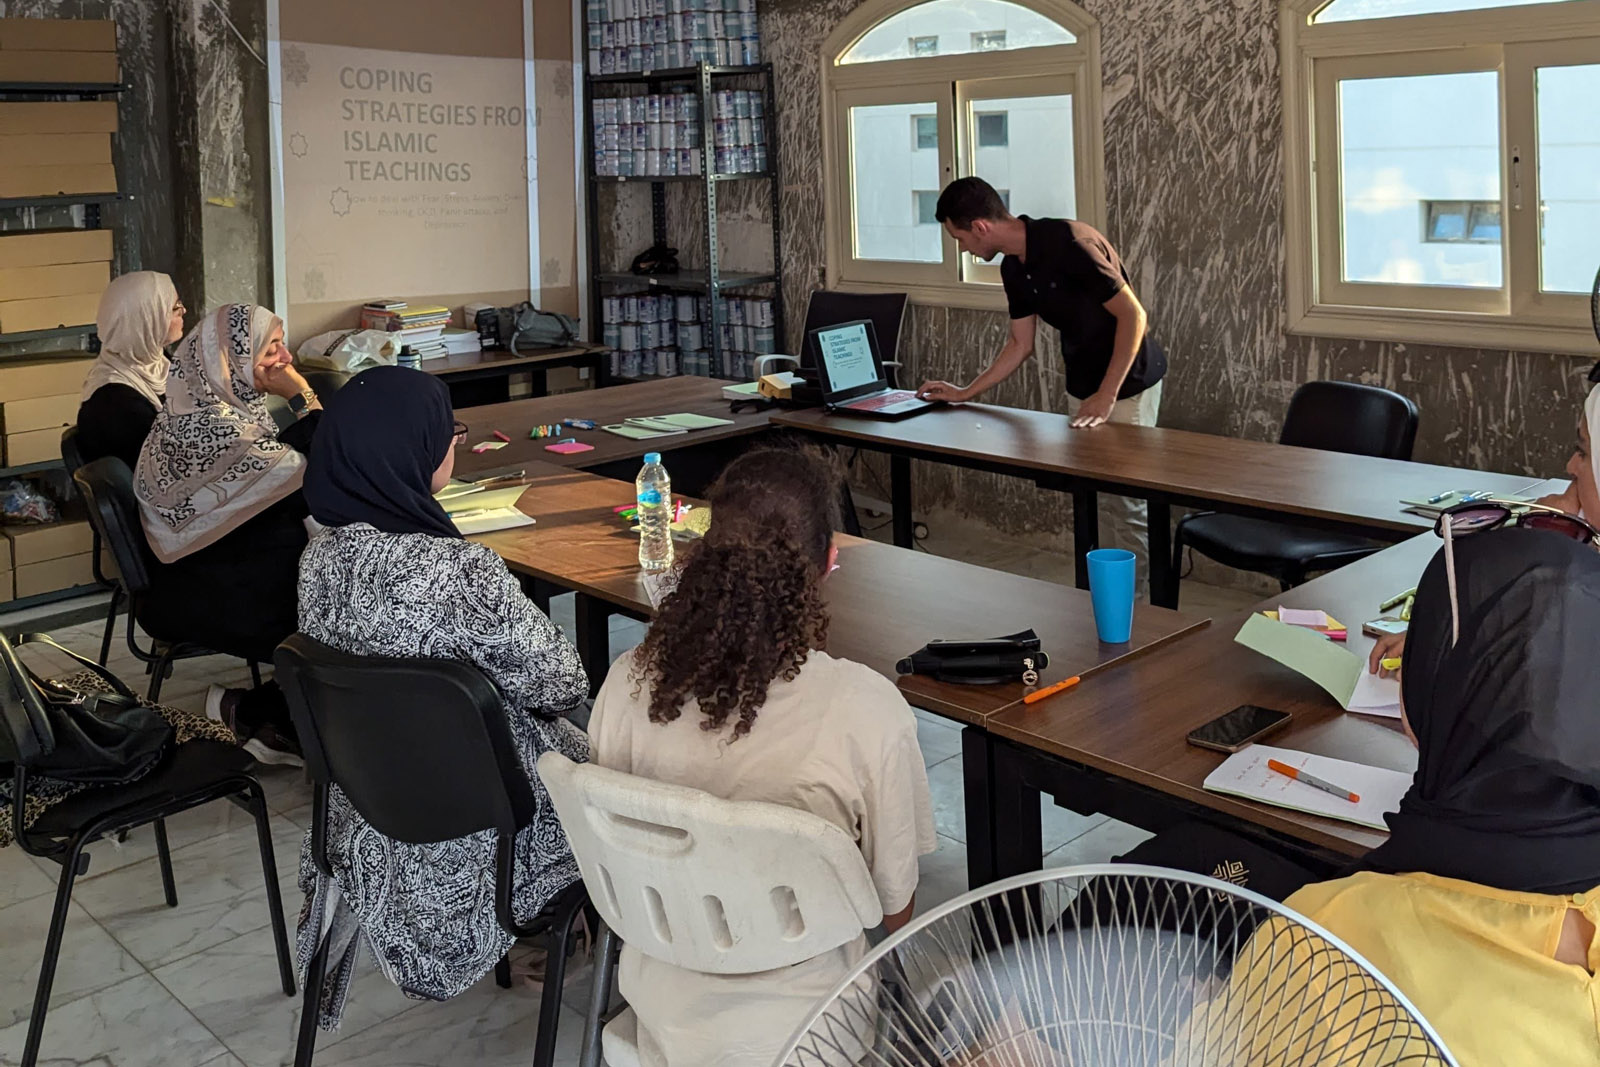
{"x": 683, "y": 420}
{"x": 635, "y": 432}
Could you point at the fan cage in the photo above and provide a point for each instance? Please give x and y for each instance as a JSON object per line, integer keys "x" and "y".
{"x": 1113, "y": 965}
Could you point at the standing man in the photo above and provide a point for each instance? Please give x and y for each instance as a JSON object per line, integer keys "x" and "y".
{"x": 1066, "y": 273}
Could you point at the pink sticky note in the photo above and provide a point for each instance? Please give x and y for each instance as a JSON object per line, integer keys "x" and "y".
{"x": 569, "y": 448}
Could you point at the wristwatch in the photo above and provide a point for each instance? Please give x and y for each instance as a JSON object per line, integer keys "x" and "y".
{"x": 300, "y": 403}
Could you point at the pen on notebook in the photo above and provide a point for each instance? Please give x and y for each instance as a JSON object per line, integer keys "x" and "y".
{"x": 1050, "y": 690}
{"x": 1312, "y": 780}
{"x": 1441, "y": 498}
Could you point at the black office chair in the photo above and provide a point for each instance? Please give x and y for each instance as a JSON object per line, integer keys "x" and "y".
{"x": 73, "y": 459}
{"x": 194, "y": 773}
{"x": 107, "y": 488}
{"x": 829, "y": 307}
{"x": 1361, "y": 420}
{"x": 421, "y": 748}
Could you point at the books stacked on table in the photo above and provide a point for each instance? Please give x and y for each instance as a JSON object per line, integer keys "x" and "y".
{"x": 459, "y": 342}
{"x": 415, "y": 325}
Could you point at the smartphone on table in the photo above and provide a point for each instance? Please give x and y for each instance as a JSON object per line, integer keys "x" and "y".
{"x": 1244, "y": 725}
{"x": 1385, "y": 626}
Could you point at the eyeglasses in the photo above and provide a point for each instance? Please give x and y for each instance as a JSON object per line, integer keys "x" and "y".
{"x": 1476, "y": 516}
{"x": 460, "y": 432}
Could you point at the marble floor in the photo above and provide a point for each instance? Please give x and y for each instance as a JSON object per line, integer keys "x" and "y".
{"x": 141, "y": 984}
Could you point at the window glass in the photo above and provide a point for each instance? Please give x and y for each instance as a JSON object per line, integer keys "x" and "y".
{"x": 1569, "y": 177}
{"x": 955, "y": 27}
{"x": 886, "y": 172}
{"x": 924, "y": 131}
{"x": 1356, "y": 10}
{"x": 1404, "y": 144}
{"x": 926, "y": 201}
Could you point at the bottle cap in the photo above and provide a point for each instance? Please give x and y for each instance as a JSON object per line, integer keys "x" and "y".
{"x": 652, "y": 457}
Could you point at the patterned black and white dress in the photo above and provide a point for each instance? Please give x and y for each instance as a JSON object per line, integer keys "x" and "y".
{"x": 427, "y": 911}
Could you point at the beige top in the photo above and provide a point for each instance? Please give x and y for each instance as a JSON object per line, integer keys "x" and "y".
{"x": 840, "y": 742}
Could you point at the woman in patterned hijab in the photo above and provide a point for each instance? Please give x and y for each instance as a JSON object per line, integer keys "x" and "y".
{"x": 219, "y": 498}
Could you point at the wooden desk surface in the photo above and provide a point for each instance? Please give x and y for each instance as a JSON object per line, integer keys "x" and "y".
{"x": 1177, "y": 465}
{"x": 668, "y": 396}
{"x": 498, "y": 359}
{"x": 885, "y": 602}
{"x": 1133, "y": 723}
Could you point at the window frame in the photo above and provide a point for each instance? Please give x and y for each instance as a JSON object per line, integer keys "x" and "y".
{"x": 1072, "y": 69}
{"x": 1512, "y": 41}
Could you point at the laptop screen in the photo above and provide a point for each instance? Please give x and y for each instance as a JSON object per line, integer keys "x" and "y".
{"x": 846, "y": 353}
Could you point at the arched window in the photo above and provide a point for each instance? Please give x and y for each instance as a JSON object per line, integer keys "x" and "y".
{"x": 918, "y": 94}
{"x": 1443, "y": 169}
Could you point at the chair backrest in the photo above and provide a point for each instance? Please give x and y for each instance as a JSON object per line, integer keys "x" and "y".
{"x": 25, "y": 732}
{"x": 828, "y": 307}
{"x": 107, "y": 488}
{"x": 71, "y": 456}
{"x": 419, "y": 746}
{"x": 1363, "y": 420}
{"x": 710, "y": 885}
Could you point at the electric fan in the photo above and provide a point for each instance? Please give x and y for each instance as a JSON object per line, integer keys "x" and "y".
{"x": 1113, "y": 965}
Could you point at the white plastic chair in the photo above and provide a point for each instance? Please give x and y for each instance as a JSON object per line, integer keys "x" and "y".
{"x": 706, "y": 884}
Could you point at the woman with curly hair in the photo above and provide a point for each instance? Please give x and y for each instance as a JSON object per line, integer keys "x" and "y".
{"x": 732, "y": 693}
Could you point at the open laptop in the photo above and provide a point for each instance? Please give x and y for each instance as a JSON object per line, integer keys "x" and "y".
{"x": 850, "y": 371}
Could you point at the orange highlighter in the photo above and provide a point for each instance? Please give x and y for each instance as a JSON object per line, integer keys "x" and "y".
{"x": 1051, "y": 690}
{"x": 1312, "y": 780}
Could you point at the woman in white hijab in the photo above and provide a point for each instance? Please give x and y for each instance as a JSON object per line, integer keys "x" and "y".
{"x": 140, "y": 314}
{"x": 219, "y": 498}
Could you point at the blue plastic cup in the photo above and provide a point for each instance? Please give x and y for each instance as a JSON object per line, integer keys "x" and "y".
{"x": 1111, "y": 586}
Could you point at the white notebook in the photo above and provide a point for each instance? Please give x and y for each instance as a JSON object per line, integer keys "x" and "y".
{"x": 1245, "y": 774}
{"x": 488, "y": 520}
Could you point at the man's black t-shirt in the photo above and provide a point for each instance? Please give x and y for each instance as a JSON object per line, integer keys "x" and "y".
{"x": 1071, "y": 272}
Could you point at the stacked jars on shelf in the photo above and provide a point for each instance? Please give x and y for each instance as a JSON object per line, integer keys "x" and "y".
{"x": 660, "y": 135}
{"x": 664, "y": 334}
{"x": 633, "y": 36}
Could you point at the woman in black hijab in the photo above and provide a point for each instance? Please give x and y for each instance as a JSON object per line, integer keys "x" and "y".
{"x": 390, "y": 576}
{"x": 1482, "y": 905}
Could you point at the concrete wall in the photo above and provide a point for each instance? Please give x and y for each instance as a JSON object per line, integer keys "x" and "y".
{"x": 1194, "y": 174}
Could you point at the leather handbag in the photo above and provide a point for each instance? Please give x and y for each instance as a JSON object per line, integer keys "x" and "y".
{"x": 101, "y": 737}
{"x": 1015, "y": 658}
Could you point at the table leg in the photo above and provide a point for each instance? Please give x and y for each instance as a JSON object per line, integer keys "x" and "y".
{"x": 976, "y": 763}
{"x": 593, "y": 620}
{"x": 1085, "y": 531}
{"x": 900, "y": 499}
{"x": 1163, "y": 579}
{"x": 1018, "y": 835}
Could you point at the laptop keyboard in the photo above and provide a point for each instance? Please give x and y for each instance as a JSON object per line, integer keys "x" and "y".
{"x": 883, "y": 400}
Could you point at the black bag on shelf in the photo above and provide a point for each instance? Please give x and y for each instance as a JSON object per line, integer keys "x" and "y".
{"x": 525, "y": 326}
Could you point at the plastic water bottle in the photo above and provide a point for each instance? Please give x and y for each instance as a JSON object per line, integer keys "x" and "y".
{"x": 654, "y": 494}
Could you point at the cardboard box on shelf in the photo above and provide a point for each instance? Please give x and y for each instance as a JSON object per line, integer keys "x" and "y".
{"x": 32, "y": 446}
{"x": 57, "y": 180}
{"x": 60, "y": 279}
{"x": 43, "y": 248}
{"x": 58, "y": 116}
{"x": 55, "y": 574}
{"x": 59, "y": 35}
{"x": 52, "y": 540}
{"x": 40, "y": 413}
{"x": 25, "y": 65}
{"x": 47, "y": 313}
{"x": 5, "y": 553}
{"x": 70, "y": 149}
{"x": 46, "y": 374}
{"x": 7, "y": 586}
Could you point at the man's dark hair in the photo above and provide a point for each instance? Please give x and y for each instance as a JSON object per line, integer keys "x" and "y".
{"x": 967, "y": 199}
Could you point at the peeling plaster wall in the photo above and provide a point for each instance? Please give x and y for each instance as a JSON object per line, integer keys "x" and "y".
{"x": 1193, "y": 134}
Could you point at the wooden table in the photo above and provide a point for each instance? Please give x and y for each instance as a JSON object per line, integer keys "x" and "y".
{"x": 884, "y": 602}
{"x": 692, "y": 458}
{"x": 1331, "y": 490}
{"x": 484, "y": 377}
{"x": 1116, "y": 743}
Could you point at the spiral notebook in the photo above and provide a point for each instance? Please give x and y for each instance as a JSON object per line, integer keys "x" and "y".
{"x": 1245, "y": 774}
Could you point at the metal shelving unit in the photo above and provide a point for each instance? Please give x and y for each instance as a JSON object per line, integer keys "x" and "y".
{"x": 711, "y": 280}
{"x": 93, "y": 219}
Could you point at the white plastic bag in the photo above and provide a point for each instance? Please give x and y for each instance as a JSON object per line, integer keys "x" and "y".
{"x": 351, "y": 351}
